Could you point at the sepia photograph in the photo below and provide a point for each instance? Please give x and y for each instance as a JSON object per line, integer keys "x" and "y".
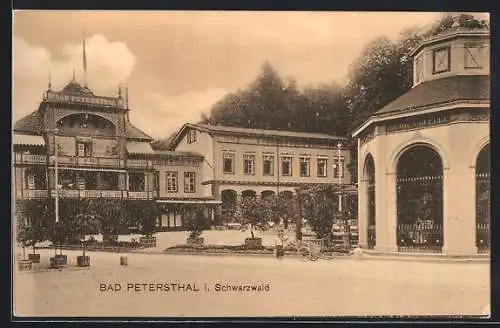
{"x": 250, "y": 164}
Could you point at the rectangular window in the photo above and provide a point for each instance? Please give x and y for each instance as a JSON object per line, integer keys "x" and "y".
{"x": 268, "y": 165}
{"x": 441, "y": 60}
{"x": 228, "y": 163}
{"x": 81, "y": 149}
{"x": 322, "y": 167}
{"x": 191, "y": 137}
{"x": 338, "y": 169}
{"x": 473, "y": 56}
{"x": 189, "y": 182}
{"x": 248, "y": 164}
{"x": 286, "y": 166}
{"x": 172, "y": 182}
{"x": 31, "y": 182}
{"x": 305, "y": 166}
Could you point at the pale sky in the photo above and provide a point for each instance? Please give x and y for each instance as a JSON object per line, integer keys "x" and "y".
{"x": 177, "y": 64}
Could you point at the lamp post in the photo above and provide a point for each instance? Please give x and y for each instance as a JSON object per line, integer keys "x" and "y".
{"x": 339, "y": 175}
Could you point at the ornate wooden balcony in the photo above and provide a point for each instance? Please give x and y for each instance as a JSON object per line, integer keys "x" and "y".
{"x": 87, "y": 161}
{"x": 71, "y": 193}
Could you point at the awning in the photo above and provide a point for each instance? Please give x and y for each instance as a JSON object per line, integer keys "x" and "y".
{"x": 26, "y": 139}
{"x": 189, "y": 201}
{"x": 136, "y": 147}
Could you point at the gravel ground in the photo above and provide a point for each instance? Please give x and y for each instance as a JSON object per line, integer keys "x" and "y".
{"x": 295, "y": 287}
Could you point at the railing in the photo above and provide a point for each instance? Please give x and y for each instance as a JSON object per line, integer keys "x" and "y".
{"x": 35, "y": 194}
{"x": 139, "y": 163}
{"x": 141, "y": 194}
{"x": 30, "y": 159}
{"x": 483, "y": 237}
{"x": 86, "y": 161}
{"x": 70, "y": 193}
{"x": 426, "y": 237}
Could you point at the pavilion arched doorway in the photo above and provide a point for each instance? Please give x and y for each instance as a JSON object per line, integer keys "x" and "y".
{"x": 369, "y": 177}
{"x": 483, "y": 187}
{"x": 419, "y": 186}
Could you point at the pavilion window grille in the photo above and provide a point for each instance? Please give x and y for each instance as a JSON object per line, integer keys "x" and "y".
{"x": 483, "y": 208}
{"x": 420, "y": 202}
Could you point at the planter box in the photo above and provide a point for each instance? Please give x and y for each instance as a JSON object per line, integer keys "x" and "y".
{"x": 60, "y": 259}
{"x": 147, "y": 242}
{"x": 253, "y": 242}
{"x": 123, "y": 260}
{"x": 24, "y": 265}
{"x": 195, "y": 241}
{"x": 34, "y": 258}
{"x": 83, "y": 261}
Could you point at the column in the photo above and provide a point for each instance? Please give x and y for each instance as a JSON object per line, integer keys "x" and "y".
{"x": 363, "y": 212}
{"x": 122, "y": 181}
{"x": 459, "y": 212}
{"x": 385, "y": 207}
{"x": 238, "y": 206}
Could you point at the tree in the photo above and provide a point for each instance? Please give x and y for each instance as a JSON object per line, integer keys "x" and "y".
{"x": 142, "y": 214}
{"x": 320, "y": 207}
{"x": 87, "y": 222}
{"x": 32, "y": 216}
{"x": 252, "y": 210}
{"x": 194, "y": 219}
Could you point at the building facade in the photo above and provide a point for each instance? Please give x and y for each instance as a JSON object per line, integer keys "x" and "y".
{"x": 79, "y": 145}
{"x": 240, "y": 162}
{"x": 424, "y": 159}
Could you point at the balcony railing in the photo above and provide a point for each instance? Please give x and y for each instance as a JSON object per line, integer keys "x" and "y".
{"x": 35, "y": 194}
{"x": 30, "y": 159}
{"x": 141, "y": 195}
{"x": 70, "y": 193}
{"x": 118, "y": 194}
{"x": 86, "y": 161}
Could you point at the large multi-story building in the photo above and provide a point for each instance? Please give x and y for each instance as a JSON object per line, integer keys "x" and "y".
{"x": 80, "y": 145}
{"x": 241, "y": 162}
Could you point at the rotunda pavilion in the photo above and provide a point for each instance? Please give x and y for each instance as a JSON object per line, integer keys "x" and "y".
{"x": 424, "y": 159}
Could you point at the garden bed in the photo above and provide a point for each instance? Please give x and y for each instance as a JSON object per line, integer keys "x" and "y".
{"x": 239, "y": 249}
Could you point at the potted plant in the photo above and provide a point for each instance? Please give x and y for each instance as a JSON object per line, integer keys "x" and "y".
{"x": 196, "y": 222}
{"x": 253, "y": 219}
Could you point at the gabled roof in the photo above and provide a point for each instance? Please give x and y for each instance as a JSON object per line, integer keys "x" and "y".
{"x": 134, "y": 133}
{"x": 30, "y": 123}
{"x": 236, "y": 131}
{"x": 440, "y": 91}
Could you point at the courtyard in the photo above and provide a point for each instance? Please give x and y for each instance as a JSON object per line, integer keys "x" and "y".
{"x": 340, "y": 287}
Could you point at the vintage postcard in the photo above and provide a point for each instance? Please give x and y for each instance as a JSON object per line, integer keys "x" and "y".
{"x": 171, "y": 164}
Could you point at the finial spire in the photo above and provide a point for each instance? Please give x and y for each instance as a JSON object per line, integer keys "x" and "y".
{"x": 119, "y": 90}
{"x": 126, "y": 96}
{"x": 74, "y": 76}
{"x": 50, "y": 79}
{"x": 84, "y": 61}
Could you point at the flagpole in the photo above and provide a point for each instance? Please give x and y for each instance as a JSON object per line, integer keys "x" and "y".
{"x": 84, "y": 61}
